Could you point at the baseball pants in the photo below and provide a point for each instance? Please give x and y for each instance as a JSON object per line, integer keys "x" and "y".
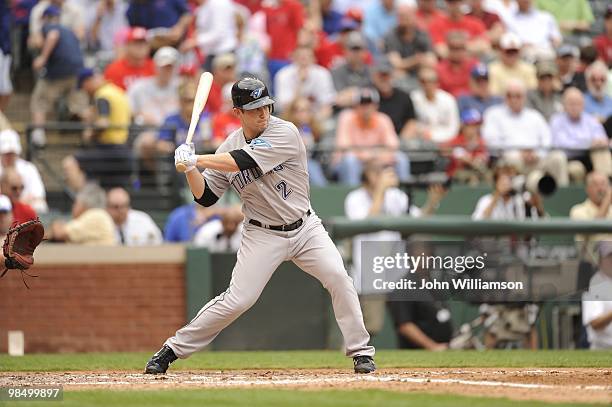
{"x": 260, "y": 254}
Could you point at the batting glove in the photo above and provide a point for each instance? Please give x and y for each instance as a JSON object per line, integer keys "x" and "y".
{"x": 185, "y": 154}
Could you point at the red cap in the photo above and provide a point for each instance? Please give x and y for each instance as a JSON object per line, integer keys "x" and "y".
{"x": 137, "y": 34}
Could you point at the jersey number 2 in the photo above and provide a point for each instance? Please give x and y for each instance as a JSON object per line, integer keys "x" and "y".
{"x": 284, "y": 190}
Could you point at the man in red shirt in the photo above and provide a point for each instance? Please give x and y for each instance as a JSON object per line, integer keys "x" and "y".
{"x": 224, "y": 72}
{"x": 603, "y": 42}
{"x": 12, "y": 186}
{"x": 224, "y": 121}
{"x": 284, "y": 18}
{"x": 468, "y": 153}
{"x": 493, "y": 23}
{"x": 454, "y": 71}
{"x": 135, "y": 64}
{"x": 427, "y": 11}
{"x": 440, "y": 26}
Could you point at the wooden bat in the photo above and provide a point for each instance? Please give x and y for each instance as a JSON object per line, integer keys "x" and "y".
{"x": 198, "y": 106}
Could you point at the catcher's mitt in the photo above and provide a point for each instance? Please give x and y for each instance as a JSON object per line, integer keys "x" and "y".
{"x": 19, "y": 245}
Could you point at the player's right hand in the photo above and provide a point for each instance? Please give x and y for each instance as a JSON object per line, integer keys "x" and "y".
{"x": 185, "y": 154}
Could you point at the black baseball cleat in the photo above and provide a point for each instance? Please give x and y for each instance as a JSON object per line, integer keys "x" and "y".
{"x": 160, "y": 361}
{"x": 364, "y": 364}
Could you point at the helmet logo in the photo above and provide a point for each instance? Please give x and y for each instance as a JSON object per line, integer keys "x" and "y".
{"x": 257, "y": 93}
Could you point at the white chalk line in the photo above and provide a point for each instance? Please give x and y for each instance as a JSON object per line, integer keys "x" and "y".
{"x": 238, "y": 381}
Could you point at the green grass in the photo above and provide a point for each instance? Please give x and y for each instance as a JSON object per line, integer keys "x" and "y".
{"x": 271, "y": 398}
{"x": 309, "y": 360}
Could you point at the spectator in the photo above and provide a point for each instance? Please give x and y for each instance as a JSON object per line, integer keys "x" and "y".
{"x": 603, "y": 42}
{"x": 6, "y": 86}
{"x": 58, "y": 65}
{"x": 378, "y": 18}
{"x": 104, "y": 26}
{"x": 175, "y": 126}
{"x": 394, "y": 102}
{"x": 492, "y": 22}
{"x": 90, "y": 224}
{"x": 135, "y": 62}
{"x": 184, "y": 221}
{"x": 522, "y": 135}
{"x": 353, "y": 73}
{"x": 216, "y": 29}
{"x": 597, "y": 302}
{"x": 304, "y": 78}
{"x": 224, "y": 72}
{"x": 469, "y": 155}
{"x": 545, "y": 98}
{"x": 33, "y": 192}
{"x": 595, "y": 207}
{"x": 479, "y": 97}
{"x": 477, "y": 42}
{"x": 329, "y": 53}
{"x": 407, "y": 46}
{"x": 252, "y": 45}
{"x": 301, "y": 113}
{"x": 362, "y": 129}
{"x": 581, "y": 136}
{"x": 284, "y": 19}
{"x": 597, "y": 101}
{"x": 379, "y": 195}
{"x": 331, "y": 18}
{"x": 436, "y": 110}
{"x": 573, "y": 16}
{"x": 537, "y": 29}
{"x": 168, "y": 19}
{"x": 454, "y": 71}
{"x": 132, "y": 227}
{"x": 221, "y": 235}
{"x": 427, "y": 11}
{"x": 6, "y": 219}
{"x": 225, "y": 121}
{"x": 153, "y": 98}
{"x": 505, "y": 9}
{"x": 510, "y": 66}
{"x": 567, "y": 64}
{"x": 504, "y": 203}
{"x": 70, "y": 17}
{"x": 12, "y": 185}
{"x": 109, "y": 116}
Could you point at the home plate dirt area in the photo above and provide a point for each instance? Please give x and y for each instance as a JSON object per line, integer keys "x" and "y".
{"x": 554, "y": 385}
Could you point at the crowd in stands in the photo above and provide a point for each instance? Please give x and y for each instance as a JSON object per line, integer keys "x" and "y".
{"x": 496, "y": 89}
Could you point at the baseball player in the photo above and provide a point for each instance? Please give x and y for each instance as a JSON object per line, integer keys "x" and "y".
{"x": 265, "y": 163}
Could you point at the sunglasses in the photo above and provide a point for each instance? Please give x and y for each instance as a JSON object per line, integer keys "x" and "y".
{"x": 514, "y": 95}
{"x": 17, "y": 188}
{"x": 511, "y": 51}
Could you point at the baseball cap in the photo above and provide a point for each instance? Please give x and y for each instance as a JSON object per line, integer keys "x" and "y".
{"x": 355, "y": 40}
{"x": 367, "y": 96}
{"x": 165, "y": 56}
{"x": 383, "y": 65}
{"x": 470, "y": 116}
{"x": 479, "y": 71}
{"x": 348, "y": 24}
{"x": 544, "y": 68}
{"x": 568, "y": 50}
{"x": 52, "y": 11}
{"x": 5, "y": 204}
{"x": 9, "y": 142}
{"x": 224, "y": 61}
{"x": 137, "y": 34}
{"x": 84, "y": 74}
{"x": 510, "y": 41}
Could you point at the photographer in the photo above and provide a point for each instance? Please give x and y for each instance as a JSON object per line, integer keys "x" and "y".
{"x": 506, "y": 203}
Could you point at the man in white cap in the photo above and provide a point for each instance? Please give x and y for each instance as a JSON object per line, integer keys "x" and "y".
{"x": 34, "y": 190}
{"x": 510, "y": 66}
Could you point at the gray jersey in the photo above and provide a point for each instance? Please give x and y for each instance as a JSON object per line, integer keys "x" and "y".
{"x": 277, "y": 192}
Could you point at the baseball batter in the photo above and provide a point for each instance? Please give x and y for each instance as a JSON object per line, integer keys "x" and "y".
{"x": 265, "y": 163}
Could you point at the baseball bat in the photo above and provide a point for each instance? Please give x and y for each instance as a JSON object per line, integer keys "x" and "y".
{"x": 198, "y": 105}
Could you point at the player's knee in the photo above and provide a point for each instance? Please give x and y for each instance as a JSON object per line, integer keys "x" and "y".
{"x": 244, "y": 303}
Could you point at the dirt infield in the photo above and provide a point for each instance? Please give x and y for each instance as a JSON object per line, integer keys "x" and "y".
{"x": 555, "y": 385}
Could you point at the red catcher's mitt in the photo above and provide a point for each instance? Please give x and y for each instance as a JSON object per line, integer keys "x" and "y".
{"x": 19, "y": 245}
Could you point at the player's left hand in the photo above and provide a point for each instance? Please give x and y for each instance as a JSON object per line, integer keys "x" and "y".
{"x": 185, "y": 154}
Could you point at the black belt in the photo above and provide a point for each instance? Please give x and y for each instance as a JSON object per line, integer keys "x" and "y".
{"x": 282, "y": 228}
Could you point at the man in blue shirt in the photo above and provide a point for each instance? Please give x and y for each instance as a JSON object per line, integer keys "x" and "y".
{"x": 171, "y": 18}
{"x": 480, "y": 97}
{"x": 58, "y": 66}
{"x": 597, "y": 101}
{"x": 184, "y": 221}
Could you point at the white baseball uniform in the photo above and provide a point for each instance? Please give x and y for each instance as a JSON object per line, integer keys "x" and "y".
{"x": 274, "y": 193}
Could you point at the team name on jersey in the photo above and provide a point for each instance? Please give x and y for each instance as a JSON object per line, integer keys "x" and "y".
{"x": 246, "y": 177}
